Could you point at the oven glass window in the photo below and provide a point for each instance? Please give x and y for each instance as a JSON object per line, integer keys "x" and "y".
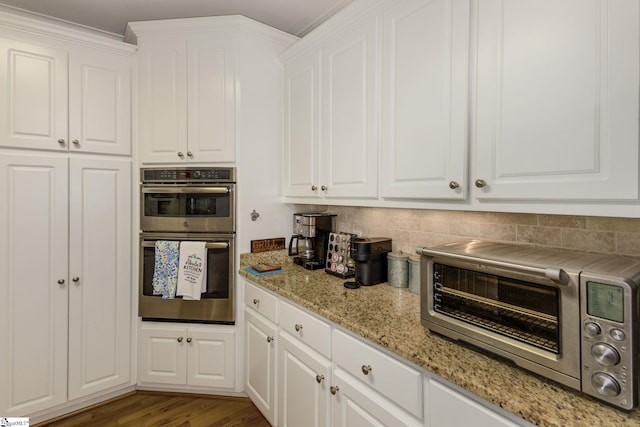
{"x": 527, "y": 312}
{"x": 187, "y": 205}
{"x": 217, "y": 273}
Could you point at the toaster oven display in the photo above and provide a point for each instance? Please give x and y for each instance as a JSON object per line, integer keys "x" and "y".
{"x": 605, "y": 301}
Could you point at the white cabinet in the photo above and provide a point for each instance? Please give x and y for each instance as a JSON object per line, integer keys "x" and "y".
{"x": 187, "y": 96}
{"x": 303, "y": 385}
{"x": 181, "y": 356}
{"x": 260, "y": 363}
{"x": 65, "y": 273}
{"x": 451, "y": 409}
{"x": 557, "y": 100}
{"x": 331, "y": 110}
{"x": 425, "y": 75}
{"x": 65, "y": 98}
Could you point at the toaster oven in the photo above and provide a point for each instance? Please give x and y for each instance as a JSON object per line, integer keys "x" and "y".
{"x": 566, "y": 315}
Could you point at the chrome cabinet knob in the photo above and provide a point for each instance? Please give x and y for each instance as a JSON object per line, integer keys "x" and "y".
{"x": 76, "y": 279}
{"x": 269, "y": 339}
{"x": 298, "y": 327}
{"x": 334, "y": 389}
{"x": 180, "y": 154}
{"x": 256, "y": 301}
{"x": 60, "y": 281}
{"x": 189, "y": 339}
{"x": 453, "y": 185}
{"x": 189, "y": 154}
{"x": 61, "y": 141}
{"x": 314, "y": 188}
{"x": 76, "y": 142}
{"x": 366, "y": 369}
{"x": 180, "y": 339}
{"x": 319, "y": 378}
{"x": 481, "y": 183}
{"x": 323, "y": 188}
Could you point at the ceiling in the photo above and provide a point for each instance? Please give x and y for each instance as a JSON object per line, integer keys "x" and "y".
{"x": 296, "y": 17}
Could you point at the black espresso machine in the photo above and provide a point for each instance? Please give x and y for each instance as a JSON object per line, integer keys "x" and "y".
{"x": 310, "y": 239}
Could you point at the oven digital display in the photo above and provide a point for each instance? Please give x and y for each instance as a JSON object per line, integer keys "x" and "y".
{"x": 605, "y": 301}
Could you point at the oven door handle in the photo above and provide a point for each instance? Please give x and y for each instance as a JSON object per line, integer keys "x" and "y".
{"x": 209, "y": 245}
{"x": 555, "y": 274}
{"x": 190, "y": 189}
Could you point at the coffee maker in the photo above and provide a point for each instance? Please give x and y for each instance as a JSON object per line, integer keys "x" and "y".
{"x": 310, "y": 239}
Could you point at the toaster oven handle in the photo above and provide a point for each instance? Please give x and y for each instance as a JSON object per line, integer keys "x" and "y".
{"x": 189, "y": 189}
{"x": 555, "y": 274}
{"x": 210, "y": 245}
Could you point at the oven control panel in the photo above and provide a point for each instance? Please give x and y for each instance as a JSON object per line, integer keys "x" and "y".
{"x": 178, "y": 175}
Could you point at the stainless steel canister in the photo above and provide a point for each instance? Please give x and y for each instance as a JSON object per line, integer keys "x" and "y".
{"x": 398, "y": 269}
{"x": 414, "y": 274}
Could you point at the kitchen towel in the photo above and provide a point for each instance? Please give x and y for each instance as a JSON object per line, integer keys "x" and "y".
{"x": 165, "y": 272}
{"x": 192, "y": 273}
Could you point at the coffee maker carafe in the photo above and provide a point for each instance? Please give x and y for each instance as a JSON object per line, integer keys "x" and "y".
{"x": 308, "y": 245}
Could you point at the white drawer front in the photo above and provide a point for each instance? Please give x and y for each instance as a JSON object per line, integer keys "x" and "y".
{"x": 393, "y": 379}
{"x": 309, "y": 329}
{"x": 261, "y": 301}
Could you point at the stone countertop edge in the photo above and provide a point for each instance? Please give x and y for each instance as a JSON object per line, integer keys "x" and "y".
{"x": 390, "y": 318}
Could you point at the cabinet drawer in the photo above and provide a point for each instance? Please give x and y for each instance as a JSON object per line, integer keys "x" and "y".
{"x": 393, "y": 379}
{"x": 261, "y": 301}
{"x": 307, "y": 328}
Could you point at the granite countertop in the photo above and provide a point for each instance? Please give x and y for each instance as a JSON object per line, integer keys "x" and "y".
{"x": 390, "y": 317}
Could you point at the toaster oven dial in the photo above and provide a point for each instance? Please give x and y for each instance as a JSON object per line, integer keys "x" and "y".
{"x": 605, "y": 354}
{"x": 605, "y": 384}
{"x": 592, "y": 328}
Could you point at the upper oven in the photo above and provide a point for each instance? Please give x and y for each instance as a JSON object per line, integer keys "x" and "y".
{"x": 196, "y": 199}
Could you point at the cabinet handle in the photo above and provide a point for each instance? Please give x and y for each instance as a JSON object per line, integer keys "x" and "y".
{"x": 189, "y": 339}
{"x": 189, "y": 154}
{"x": 180, "y": 339}
{"x": 319, "y": 378}
{"x": 180, "y": 154}
{"x": 76, "y": 142}
{"x": 269, "y": 339}
{"x": 298, "y": 327}
{"x": 314, "y": 188}
{"x": 76, "y": 279}
{"x": 480, "y": 183}
{"x": 366, "y": 369}
{"x": 323, "y": 188}
{"x": 60, "y": 281}
{"x": 334, "y": 389}
{"x": 256, "y": 301}
{"x": 453, "y": 185}
{"x": 61, "y": 141}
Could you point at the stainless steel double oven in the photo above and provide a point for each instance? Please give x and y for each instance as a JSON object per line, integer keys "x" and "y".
{"x": 189, "y": 204}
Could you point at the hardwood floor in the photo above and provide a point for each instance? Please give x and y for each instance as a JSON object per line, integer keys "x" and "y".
{"x": 156, "y": 409}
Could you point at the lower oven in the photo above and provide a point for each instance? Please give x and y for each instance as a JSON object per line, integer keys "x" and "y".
{"x": 216, "y": 305}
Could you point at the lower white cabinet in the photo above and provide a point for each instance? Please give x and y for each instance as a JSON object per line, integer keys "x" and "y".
{"x": 193, "y": 356}
{"x": 304, "y": 379}
{"x": 260, "y": 363}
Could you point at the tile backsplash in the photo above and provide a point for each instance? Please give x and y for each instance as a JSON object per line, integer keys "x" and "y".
{"x": 410, "y": 228}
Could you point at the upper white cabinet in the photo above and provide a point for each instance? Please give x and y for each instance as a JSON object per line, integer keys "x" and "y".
{"x": 331, "y": 110}
{"x": 187, "y": 98}
{"x": 65, "y": 98}
{"x": 557, "y": 100}
{"x": 425, "y": 75}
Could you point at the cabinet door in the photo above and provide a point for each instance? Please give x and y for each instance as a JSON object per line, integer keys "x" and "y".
{"x": 163, "y": 100}
{"x": 350, "y": 112}
{"x": 34, "y": 99}
{"x": 100, "y": 272}
{"x": 355, "y": 405}
{"x": 211, "y": 99}
{"x": 211, "y": 358}
{"x": 33, "y": 283}
{"x": 162, "y": 355}
{"x": 303, "y": 385}
{"x": 100, "y": 103}
{"x": 425, "y": 99}
{"x": 302, "y": 121}
{"x": 260, "y": 364}
{"x": 557, "y": 100}
{"x": 451, "y": 409}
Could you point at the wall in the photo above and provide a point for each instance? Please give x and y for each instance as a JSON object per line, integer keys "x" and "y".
{"x": 415, "y": 227}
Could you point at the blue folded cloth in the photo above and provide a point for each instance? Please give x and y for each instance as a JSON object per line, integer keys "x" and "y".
{"x": 165, "y": 273}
